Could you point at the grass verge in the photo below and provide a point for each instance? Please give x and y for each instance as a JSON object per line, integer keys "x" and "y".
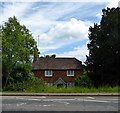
{"x": 70, "y": 90}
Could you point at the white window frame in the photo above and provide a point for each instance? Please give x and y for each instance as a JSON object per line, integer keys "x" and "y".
{"x": 48, "y": 73}
{"x": 70, "y": 72}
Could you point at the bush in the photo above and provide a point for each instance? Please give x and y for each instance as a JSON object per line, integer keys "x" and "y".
{"x": 31, "y": 83}
{"x": 35, "y": 84}
{"x": 83, "y": 80}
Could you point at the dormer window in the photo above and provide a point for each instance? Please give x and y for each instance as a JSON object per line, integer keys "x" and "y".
{"x": 48, "y": 73}
{"x": 70, "y": 73}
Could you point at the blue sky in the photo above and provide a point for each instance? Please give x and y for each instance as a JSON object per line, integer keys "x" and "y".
{"x": 59, "y": 28}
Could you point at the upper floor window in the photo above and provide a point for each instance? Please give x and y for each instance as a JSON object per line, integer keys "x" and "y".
{"x": 70, "y": 73}
{"x": 48, "y": 73}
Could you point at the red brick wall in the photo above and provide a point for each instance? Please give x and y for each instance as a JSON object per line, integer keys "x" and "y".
{"x": 57, "y": 74}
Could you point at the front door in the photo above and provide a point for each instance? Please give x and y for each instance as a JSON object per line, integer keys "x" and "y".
{"x": 60, "y": 83}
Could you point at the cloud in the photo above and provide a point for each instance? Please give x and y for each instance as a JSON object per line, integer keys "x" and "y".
{"x": 109, "y": 4}
{"x": 54, "y": 1}
{"x": 72, "y": 29}
{"x": 79, "y": 52}
{"x": 112, "y": 3}
{"x": 47, "y": 16}
{"x": 44, "y": 20}
{"x": 63, "y": 34}
{"x": 58, "y": 25}
{"x": 13, "y": 9}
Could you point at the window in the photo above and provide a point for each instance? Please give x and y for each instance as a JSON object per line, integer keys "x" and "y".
{"x": 48, "y": 73}
{"x": 70, "y": 73}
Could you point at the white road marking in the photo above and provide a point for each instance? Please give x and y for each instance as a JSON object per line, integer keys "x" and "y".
{"x": 43, "y": 98}
{"x": 79, "y": 99}
{"x": 34, "y": 99}
{"x": 66, "y": 103}
{"x": 7, "y": 97}
{"x": 20, "y": 98}
{"x": 39, "y": 97}
{"x": 91, "y": 97}
{"x": 58, "y": 99}
{"x": 97, "y": 101}
{"x": 21, "y": 104}
{"x": 45, "y": 105}
{"x": 112, "y": 99}
{"x": 7, "y": 104}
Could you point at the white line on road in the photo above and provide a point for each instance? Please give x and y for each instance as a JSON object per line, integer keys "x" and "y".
{"x": 112, "y": 99}
{"x": 66, "y": 103}
{"x": 34, "y": 99}
{"x": 7, "y": 104}
{"x": 20, "y": 98}
{"x": 45, "y": 105}
{"x": 21, "y": 104}
{"x": 26, "y": 98}
{"x": 43, "y": 98}
{"x": 39, "y": 97}
{"x": 8, "y": 97}
{"x": 91, "y": 97}
{"x": 97, "y": 101}
{"x": 58, "y": 99}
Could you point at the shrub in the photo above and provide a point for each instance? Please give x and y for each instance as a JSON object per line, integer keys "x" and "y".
{"x": 83, "y": 80}
{"x": 32, "y": 83}
{"x": 35, "y": 84}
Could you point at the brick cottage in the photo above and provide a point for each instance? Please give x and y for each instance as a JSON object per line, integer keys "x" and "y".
{"x": 58, "y": 71}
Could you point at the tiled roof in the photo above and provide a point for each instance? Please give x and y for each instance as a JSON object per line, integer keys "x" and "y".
{"x": 57, "y": 63}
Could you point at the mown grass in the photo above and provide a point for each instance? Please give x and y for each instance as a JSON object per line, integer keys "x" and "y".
{"x": 74, "y": 90}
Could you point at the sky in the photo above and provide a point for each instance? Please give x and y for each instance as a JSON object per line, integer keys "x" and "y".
{"x": 59, "y": 28}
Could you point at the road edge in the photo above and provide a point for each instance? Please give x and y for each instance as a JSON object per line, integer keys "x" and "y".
{"x": 59, "y": 94}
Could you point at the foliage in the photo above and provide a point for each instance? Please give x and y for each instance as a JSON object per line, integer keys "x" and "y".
{"x": 0, "y": 60}
{"x": 30, "y": 84}
{"x": 104, "y": 49}
{"x": 50, "y": 56}
{"x": 35, "y": 84}
{"x": 83, "y": 80}
{"x": 19, "y": 50}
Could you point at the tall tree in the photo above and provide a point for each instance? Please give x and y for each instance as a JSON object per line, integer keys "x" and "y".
{"x": 104, "y": 49}
{"x": 19, "y": 49}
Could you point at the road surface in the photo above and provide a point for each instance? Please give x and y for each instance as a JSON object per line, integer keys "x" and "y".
{"x": 59, "y": 103}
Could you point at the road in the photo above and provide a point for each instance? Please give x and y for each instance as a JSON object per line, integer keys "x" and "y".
{"x": 59, "y": 103}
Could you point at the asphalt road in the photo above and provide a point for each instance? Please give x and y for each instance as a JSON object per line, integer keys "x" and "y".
{"x": 59, "y": 103}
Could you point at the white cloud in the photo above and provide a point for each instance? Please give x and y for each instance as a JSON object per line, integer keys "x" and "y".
{"x": 78, "y": 52}
{"x": 63, "y": 34}
{"x": 13, "y": 9}
{"x": 46, "y": 21}
{"x": 47, "y": 16}
{"x": 112, "y": 3}
{"x": 54, "y": 0}
{"x": 72, "y": 29}
{"x": 52, "y": 33}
